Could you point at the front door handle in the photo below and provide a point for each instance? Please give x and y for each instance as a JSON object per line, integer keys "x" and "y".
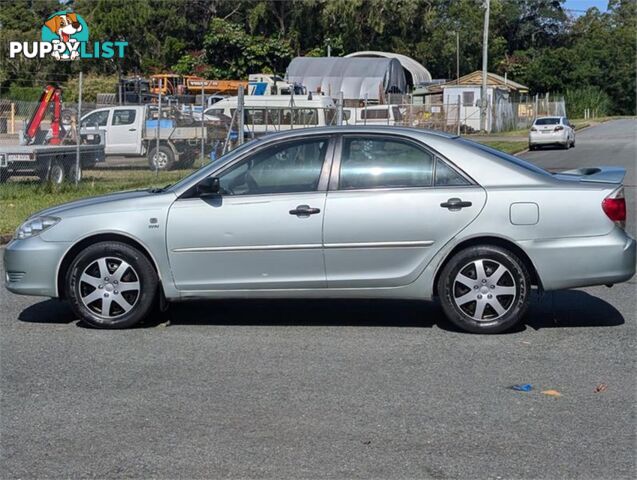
{"x": 304, "y": 211}
{"x": 132, "y": 129}
{"x": 455, "y": 204}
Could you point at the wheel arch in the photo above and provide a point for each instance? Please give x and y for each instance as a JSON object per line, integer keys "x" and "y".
{"x": 72, "y": 252}
{"x": 490, "y": 240}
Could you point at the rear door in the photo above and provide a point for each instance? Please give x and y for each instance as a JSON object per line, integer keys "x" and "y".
{"x": 392, "y": 204}
{"x": 124, "y": 132}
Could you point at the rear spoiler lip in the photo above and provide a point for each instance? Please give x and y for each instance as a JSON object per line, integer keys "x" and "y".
{"x": 595, "y": 174}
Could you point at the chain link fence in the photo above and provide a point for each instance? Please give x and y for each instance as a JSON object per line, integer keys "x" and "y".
{"x": 167, "y": 134}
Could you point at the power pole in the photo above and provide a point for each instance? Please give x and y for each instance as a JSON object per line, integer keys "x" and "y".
{"x": 485, "y": 52}
{"x": 457, "y": 57}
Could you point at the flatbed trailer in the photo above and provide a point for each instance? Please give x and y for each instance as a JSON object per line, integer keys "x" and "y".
{"x": 48, "y": 162}
{"x": 51, "y": 155}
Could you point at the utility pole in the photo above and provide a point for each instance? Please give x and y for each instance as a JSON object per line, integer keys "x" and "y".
{"x": 485, "y": 51}
{"x": 457, "y": 57}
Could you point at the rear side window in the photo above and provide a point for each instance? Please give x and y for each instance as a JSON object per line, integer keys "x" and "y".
{"x": 383, "y": 163}
{"x": 123, "y": 117}
{"x": 375, "y": 114}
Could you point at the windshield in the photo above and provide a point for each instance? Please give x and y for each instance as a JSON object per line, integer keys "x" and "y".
{"x": 547, "y": 121}
{"x": 213, "y": 165}
{"x": 504, "y": 156}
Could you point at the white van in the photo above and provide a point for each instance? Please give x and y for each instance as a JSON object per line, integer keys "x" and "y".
{"x": 274, "y": 113}
{"x": 373, "y": 115}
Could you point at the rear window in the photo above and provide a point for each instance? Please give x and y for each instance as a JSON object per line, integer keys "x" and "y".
{"x": 547, "y": 121}
{"x": 504, "y": 156}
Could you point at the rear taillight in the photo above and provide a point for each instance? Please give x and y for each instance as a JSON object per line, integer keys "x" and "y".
{"x": 533, "y": 129}
{"x": 558, "y": 128}
{"x": 614, "y": 207}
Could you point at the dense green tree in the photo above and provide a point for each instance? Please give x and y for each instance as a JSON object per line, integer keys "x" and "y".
{"x": 535, "y": 42}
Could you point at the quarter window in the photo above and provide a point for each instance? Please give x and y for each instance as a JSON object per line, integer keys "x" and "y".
{"x": 447, "y": 176}
{"x": 288, "y": 168}
{"x": 384, "y": 163}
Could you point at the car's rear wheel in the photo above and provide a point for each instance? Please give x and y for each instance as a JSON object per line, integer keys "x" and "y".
{"x": 111, "y": 285}
{"x": 484, "y": 289}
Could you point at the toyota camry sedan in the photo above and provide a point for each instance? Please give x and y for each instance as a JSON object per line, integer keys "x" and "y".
{"x": 341, "y": 212}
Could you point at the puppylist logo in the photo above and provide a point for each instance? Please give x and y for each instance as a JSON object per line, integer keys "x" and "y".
{"x": 65, "y": 37}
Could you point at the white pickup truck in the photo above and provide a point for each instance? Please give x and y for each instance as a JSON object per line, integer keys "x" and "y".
{"x": 131, "y": 131}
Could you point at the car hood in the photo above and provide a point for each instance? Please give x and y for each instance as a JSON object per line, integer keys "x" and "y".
{"x": 123, "y": 201}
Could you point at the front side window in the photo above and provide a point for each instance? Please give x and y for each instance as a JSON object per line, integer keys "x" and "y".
{"x": 97, "y": 119}
{"x": 368, "y": 162}
{"x": 287, "y": 168}
{"x": 123, "y": 117}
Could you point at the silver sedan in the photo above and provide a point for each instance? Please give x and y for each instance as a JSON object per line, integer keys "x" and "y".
{"x": 350, "y": 212}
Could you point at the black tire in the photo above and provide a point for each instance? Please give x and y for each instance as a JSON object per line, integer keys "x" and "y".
{"x": 515, "y": 281}
{"x": 566, "y": 145}
{"x": 166, "y": 158}
{"x": 532, "y": 147}
{"x": 187, "y": 159}
{"x": 4, "y": 175}
{"x": 70, "y": 172}
{"x": 88, "y": 265}
{"x": 55, "y": 174}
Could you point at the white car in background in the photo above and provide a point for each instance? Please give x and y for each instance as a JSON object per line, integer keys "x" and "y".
{"x": 551, "y": 131}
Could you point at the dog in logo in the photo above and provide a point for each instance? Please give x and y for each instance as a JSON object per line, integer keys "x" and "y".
{"x": 64, "y": 25}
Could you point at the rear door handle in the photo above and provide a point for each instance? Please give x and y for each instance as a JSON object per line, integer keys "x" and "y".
{"x": 305, "y": 211}
{"x": 454, "y": 204}
{"x": 132, "y": 129}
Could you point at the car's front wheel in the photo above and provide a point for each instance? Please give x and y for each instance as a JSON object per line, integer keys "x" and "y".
{"x": 111, "y": 285}
{"x": 484, "y": 289}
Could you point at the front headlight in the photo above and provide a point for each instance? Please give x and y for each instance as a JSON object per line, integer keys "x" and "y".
{"x": 35, "y": 226}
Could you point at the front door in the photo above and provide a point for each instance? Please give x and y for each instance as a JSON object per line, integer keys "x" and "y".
{"x": 124, "y": 137}
{"x": 385, "y": 216}
{"x": 263, "y": 231}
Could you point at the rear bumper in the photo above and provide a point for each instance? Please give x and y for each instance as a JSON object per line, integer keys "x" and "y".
{"x": 31, "y": 266}
{"x": 583, "y": 261}
{"x": 537, "y": 138}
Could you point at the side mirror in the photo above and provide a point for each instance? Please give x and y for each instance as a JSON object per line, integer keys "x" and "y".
{"x": 208, "y": 186}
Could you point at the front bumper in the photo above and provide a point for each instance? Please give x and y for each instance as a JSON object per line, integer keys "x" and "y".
{"x": 583, "y": 261}
{"x": 538, "y": 138}
{"x": 31, "y": 266}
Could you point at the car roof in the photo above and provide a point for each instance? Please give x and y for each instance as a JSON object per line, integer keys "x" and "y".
{"x": 344, "y": 129}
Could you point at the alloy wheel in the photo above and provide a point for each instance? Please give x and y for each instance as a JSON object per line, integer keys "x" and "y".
{"x": 109, "y": 287}
{"x": 484, "y": 290}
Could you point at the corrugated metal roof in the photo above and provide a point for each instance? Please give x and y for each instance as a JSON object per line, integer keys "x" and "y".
{"x": 355, "y": 77}
{"x": 419, "y": 74}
